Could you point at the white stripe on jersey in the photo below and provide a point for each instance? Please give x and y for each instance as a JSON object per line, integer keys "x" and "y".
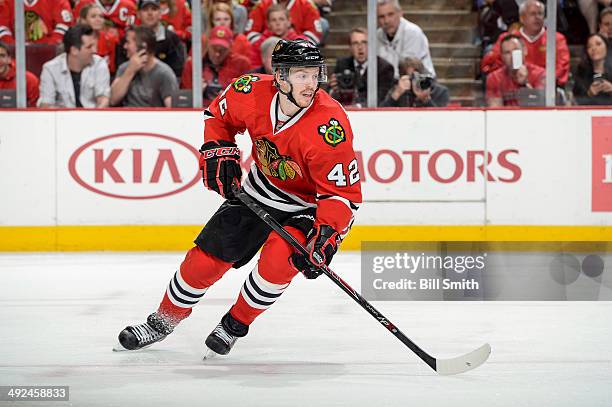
{"x": 61, "y": 28}
{"x": 351, "y": 205}
{"x": 253, "y": 37}
{"x": 264, "y": 191}
{"x": 312, "y": 37}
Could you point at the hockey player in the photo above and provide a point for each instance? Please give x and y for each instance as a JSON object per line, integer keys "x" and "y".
{"x": 304, "y": 174}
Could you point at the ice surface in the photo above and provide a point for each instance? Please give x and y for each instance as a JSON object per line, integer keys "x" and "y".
{"x": 60, "y": 315}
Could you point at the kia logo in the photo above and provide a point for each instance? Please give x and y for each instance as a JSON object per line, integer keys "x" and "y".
{"x": 135, "y": 166}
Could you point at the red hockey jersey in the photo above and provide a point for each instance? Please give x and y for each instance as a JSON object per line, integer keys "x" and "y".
{"x": 118, "y": 15}
{"x": 304, "y": 19}
{"x": 308, "y": 162}
{"x": 46, "y": 21}
{"x": 180, "y": 22}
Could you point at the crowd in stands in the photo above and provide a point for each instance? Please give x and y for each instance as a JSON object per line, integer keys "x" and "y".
{"x": 137, "y": 53}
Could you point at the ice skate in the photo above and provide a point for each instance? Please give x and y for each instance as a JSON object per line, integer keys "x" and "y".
{"x": 224, "y": 336}
{"x": 136, "y": 337}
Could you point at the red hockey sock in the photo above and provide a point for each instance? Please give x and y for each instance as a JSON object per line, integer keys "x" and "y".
{"x": 198, "y": 271}
{"x": 268, "y": 280}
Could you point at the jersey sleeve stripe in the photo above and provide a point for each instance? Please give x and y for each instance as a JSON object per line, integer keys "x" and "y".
{"x": 208, "y": 114}
{"x": 351, "y": 205}
{"x": 312, "y": 37}
{"x": 61, "y": 28}
{"x": 253, "y": 36}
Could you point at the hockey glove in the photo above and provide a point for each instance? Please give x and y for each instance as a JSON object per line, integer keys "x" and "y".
{"x": 220, "y": 165}
{"x": 322, "y": 244}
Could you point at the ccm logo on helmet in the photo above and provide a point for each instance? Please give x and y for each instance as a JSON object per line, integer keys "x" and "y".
{"x": 221, "y": 152}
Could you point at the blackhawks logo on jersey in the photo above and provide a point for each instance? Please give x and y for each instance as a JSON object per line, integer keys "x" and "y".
{"x": 332, "y": 132}
{"x": 35, "y": 27}
{"x": 274, "y": 164}
{"x": 244, "y": 84}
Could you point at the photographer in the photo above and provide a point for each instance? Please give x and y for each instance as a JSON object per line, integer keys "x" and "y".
{"x": 416, "y": 88}
{"x": 349, "y": 82}
{"x": 592, "y": 80}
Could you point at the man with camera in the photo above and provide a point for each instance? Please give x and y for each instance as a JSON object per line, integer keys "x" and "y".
{"x": 349, "y": 84}
{"x": 416, "y": 87}
{"x": 399, "y": 38}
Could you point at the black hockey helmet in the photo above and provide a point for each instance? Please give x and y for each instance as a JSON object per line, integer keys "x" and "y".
{"x": 288, "y": 54}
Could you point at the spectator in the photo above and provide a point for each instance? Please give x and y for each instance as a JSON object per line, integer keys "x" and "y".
{"x": 78, "y": 77}
{"x": 266, "y": 49}
{"x": 533, "y": 34}
{"x": 398, "y": 38}
{"x": 219, "y": 66}
{"x": 605, "y": 29}
{"x": 590, "y": 10}
{"x": 46, "y": 20}
{"x": 504, "y": 84}
{"x": 349, "y": 82}
{"x": 592, "y": 84}
{"x": 176, "y": 15}
{"x": 495, "y": 17}
{"x": 118, "y": 14}
{"x": 416, "y": 87}
{"x": 168, "y": 46}
{"x": 605, "y": 22}
{"x": 143, "y": 80}
{"x": 279, "y": 25}
{"x": 221, "y": 14}
{"x": 304, "y": 19}
{"x": 8, "y": 79}
{"x": 324, "y": 7}
{"x": 239, "y": 15}
{"x": 91, "y": 14}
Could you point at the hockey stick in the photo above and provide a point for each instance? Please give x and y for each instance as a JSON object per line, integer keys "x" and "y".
{"x": 451, "y": 366}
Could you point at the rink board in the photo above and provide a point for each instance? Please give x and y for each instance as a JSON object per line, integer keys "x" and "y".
{"x": 128, "y": 180}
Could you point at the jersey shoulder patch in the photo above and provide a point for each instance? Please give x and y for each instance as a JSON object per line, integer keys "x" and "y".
{"x": 244, "y": 84}
{"x": 332, "y": 132}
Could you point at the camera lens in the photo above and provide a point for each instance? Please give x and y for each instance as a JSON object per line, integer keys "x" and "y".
{"x": 425, "y": 83}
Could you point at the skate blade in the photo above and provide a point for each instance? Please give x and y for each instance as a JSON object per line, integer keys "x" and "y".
{"x": 210, "y": 354}
{"x": 119, "y": 348}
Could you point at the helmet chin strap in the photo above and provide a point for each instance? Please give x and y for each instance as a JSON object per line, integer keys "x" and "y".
{"x": 290, "y": 93}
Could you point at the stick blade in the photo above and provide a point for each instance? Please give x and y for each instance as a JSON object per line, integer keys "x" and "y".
{"x": 465, "y": 362}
